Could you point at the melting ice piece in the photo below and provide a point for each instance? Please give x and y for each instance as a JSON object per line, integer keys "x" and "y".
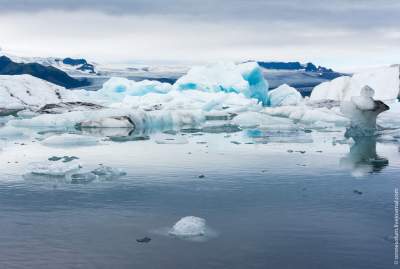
{"x": 108, "y": 172}
{"x": 70, "y": 140}
{"x": 363, "y": 111}
{"x": 54, "y": 168}
{"x": 284, "y": 95}
{"x": 189, "y": 226}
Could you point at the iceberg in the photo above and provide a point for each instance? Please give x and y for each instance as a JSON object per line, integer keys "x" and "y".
{"x": 246, "y": 78}
{"x": 385, "y": 81}
{"x": 284, "y": 95}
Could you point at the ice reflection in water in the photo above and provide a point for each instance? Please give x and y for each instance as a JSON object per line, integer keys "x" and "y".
{"x": 363, "y": 158}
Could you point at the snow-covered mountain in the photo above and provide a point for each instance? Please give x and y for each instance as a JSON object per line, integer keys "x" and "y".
{"x": 48, "y": 73}
{"x": 73, "y": 67}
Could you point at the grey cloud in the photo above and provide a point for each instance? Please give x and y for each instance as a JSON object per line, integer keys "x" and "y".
{"x": 349, "y": 13}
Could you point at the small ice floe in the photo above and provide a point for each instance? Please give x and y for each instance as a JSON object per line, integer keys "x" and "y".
{"x": 191, "y": 228}
{"x": 108, "y": 172}
{"x": 70, "y": 140}
{"x": 101, "y": 173}
{"x": 54, "y": 168}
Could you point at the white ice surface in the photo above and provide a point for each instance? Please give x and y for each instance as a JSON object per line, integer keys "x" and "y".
{"x": 53, "y": 168}
{"x": 385, "y": 81}
{"x": 189, "y": 226}
{"x": 284, "y": 95}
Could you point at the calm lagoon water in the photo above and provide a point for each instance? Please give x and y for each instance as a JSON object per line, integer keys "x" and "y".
{"x": 274, "y": 200}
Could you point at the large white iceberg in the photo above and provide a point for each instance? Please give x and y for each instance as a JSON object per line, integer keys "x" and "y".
{"x": 385, "y": 81}
{"x": 284, "y": 95}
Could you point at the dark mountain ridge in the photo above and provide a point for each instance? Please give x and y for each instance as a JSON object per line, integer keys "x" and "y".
{"x": 48, "y": 73}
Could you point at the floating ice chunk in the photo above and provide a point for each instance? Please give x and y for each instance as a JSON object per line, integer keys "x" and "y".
{"x": 70, "y": 140}
{"x": 108, "y": 172}
{"x": 245, "y": 78}
{"x": 189, "y": 227}
{"x": 117, "y": 88}
{"x": 284, "y": 95}
{"x": 54, "y": 168}
{"x": 363, "y": 111}
{"x": 385, "y": 81}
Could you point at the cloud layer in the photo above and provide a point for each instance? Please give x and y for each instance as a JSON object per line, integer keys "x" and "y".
{"x": 337, "y": 32}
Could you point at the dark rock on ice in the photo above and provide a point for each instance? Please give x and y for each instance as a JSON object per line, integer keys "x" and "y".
{"x": 63, "y": 107}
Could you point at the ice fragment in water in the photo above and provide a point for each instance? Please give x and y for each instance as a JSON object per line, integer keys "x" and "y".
{"x": 108, "y": 172}
{"x": 189, "y": 226}
{"x": 54, "y": 168}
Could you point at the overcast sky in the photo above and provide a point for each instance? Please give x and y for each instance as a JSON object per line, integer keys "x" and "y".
{"x": 337, "y": 33}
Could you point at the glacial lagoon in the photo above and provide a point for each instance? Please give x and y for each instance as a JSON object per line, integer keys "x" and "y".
{"x": 270, "y": 199}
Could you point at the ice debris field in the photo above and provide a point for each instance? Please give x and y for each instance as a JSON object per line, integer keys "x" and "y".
{"x": 217, "y": 94}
